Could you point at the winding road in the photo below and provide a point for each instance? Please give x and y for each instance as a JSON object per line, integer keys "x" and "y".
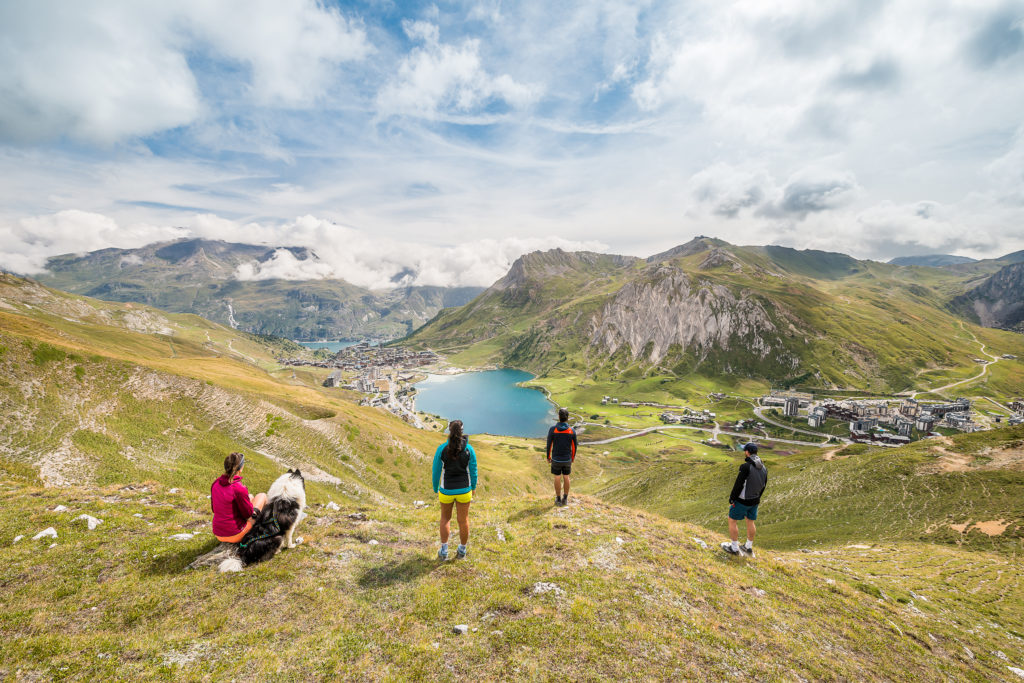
{"x": 984, "y": 369}
{"x": 648, "y": 430}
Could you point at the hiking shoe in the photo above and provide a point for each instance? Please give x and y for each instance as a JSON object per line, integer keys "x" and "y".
{"x": 565, "y": 499}
{"x": 558, "y": 501}
{"x": 748, "y": 551}
{"x": 460, "y": 553}
{"x": 442, "y": 555}
{"x": 727, "y": 547}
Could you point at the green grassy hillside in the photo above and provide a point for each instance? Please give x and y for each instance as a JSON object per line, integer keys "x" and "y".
{"x": 124, "y": 413}
{"x": 712, "y": 310}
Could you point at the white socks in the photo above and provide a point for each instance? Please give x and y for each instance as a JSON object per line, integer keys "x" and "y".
{"x": 749, "y": 544}
{"x": 736, "y": 546}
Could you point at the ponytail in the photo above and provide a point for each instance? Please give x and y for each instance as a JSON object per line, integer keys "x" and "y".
{"x": 232, "y": 464}
{"x": 454, "y": 440}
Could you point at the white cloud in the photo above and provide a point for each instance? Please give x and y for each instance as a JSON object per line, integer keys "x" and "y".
{"x": 30, "y": 241}
{"x": 341, "y": 252}
{"x": 438, "y": 78}
{"x": 106, "y": 72}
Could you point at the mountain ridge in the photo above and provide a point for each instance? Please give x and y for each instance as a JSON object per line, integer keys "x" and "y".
{"x": 201, "y": 276}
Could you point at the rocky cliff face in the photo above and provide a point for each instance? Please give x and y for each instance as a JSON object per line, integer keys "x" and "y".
{"x": 667, "y": 308}
{"x": 999, "y": 300}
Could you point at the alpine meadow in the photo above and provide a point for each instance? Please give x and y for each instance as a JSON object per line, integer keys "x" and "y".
{"x": 309, "y": 308}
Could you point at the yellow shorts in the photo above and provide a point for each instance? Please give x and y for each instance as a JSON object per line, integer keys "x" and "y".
{"x": 461, "y": 498}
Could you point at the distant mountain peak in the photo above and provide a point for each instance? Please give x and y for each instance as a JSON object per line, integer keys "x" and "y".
{"x": 698, "y": 244}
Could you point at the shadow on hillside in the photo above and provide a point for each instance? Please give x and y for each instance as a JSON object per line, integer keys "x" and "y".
{"x": 178, "y": 561}
{"x": 525, "y": 513}
{"x": 397, "y": 572}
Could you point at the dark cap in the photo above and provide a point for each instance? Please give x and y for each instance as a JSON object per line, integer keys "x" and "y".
{"x": 750, "y": 447}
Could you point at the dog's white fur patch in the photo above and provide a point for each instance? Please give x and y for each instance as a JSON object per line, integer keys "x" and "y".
{"x": 288, "y": 486}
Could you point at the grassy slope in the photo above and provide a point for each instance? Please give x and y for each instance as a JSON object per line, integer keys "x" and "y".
{"x": 147, "y": 412}
{"x": 863, "y": 494}
{"x": 637, "y": 598}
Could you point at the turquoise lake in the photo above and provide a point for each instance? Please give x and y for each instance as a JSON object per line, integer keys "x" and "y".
{"x": 488, "y": 402}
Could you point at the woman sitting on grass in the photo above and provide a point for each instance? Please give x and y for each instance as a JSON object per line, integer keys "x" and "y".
{"x": 454, "y": 483}
{"x": 234, "y": 509}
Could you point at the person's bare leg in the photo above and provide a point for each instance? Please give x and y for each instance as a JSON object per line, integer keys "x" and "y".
{"x": 751, "y": 531}
{"x": 565, "y": 485}
{"x": 463, "y": 515}
{"x": 259, "y": 501}
{"x": 734, "y": 530}
{"x": 558, "y": 486}
{"x": 446, "y": 521}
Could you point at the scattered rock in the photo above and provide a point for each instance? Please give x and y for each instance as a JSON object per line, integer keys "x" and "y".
{"x": 175, "y": 490}
{"x": 859, "y": 546}
{"x": 497, "y": 633}
{"x": 435, "y": 645}
{"x": 1001, "y": 655}
{"x": 619, "y": 540}
{"x": 475, "y": 629}
{"x": 918, "y": 597}
{"x": 90, "y": 521}
{"x": 542, "y": 587}
{"x": 138, "y": 514}
{"x": 181, "y": 537}
{"x": 755, "y": 591}
{"x": 333, "y": 506}
{"x": 699, "y": 542}
{"x": 830, "y": 582}
{"x": 224, "y": 551}
{"x": 18, "y": 538}
{"x": 968, "y": 652}
{"x": 500, "y": 533}
{"x": 373, "y": 541}
{"x": 1019, "y": 672}
{"x": 48, "y": 532}
{"x": 460, "y": 629}
{"x": 52, "y": 545}
{"x": 419, "y": 504}
{"x": 60, "y": 508}
{"x": 357, "y": 516}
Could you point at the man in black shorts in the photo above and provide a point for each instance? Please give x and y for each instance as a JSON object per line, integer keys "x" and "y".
{"x": 561, "y": 454}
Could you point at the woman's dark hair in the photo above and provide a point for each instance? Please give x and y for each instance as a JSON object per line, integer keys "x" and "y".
{"x": 232, "y": 464}
{"x": 563, "y": 415}
{"x": 454, "y": 440}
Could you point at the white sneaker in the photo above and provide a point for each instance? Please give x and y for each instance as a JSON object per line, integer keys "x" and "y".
{"x": 749, "y": 551}
{"x": 727, "y": 547}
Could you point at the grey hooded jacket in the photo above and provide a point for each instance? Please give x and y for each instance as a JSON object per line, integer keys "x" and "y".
{"x": 750, "y": 482}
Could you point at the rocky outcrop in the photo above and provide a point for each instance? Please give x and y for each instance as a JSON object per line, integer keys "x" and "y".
{"x": 998, "y": 301}
{"x": 543, "y": 265}
{"x": 667, "y": 308}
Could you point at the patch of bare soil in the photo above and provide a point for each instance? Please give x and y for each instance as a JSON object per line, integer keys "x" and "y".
{"x": 994, "y": 527}
{"x": 1011, "y": 458}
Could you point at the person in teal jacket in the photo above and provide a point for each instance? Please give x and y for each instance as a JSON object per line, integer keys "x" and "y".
{"x": 454, "y": 482}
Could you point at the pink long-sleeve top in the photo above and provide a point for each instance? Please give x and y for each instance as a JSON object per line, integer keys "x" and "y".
{"x": 231, "y": 506}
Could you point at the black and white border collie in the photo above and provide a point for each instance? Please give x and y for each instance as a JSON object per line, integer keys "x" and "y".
{"x": 275, "y": 524}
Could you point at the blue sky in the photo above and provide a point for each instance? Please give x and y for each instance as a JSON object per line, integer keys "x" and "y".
{"x": 449, "y": 137}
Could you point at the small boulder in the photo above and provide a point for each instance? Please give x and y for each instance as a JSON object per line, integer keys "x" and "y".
{"x": 1015, "y": 670}
{"x": 460, "y": 629}
{"x": 60, "y": 508}
{"x": 357, "y": 516}
{"x": 542, "y": 587}
{"x": 332, "y": 506}
{"x": 48, "y": 532}
{"x": 90, "y": 521}
{"x": 699, "y": 542}
{"x": 138, "y": 514}
{"x": 175, "y": 490}
{"x": 181, "y": 537}
{"x": 419, "y": 504}
{"x": 372, "y": 541}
